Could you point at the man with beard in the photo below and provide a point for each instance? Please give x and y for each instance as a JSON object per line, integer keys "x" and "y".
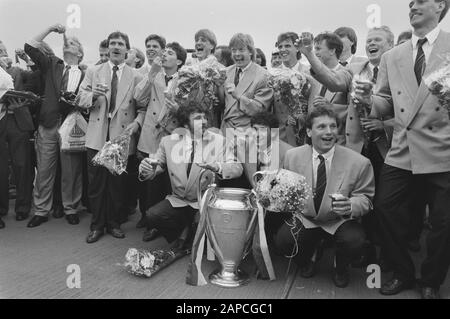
{"x": 343, "y": 188}
{"x": 418, "y": 161}
{"x": 61, "y": 76}
{"x": 153, "y": 92}
{"x": 107, "y": 91}
{"x": 154, "y": 45}
{"x": 183, "y": 154}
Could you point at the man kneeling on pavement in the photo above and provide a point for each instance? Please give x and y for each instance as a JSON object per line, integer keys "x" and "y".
{"x": 183, "y": 154}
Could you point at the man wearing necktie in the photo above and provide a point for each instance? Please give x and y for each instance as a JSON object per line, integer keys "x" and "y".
{"x": 155, "y": 93}
{"x": 108, "y": 93}
{"x": 183, "y": 154}
{"x": 343, "y": 187}
{"x": 418, "y": 161}
{"x": 61, "y": 76}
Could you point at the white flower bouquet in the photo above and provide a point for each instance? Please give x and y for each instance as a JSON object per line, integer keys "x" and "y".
{"x": 114, "y": 154}
{"x": 438, "y": 82}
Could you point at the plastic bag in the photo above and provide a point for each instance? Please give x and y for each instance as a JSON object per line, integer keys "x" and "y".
{"x": 73, "y": 133}
{"x": 114, "y": 154}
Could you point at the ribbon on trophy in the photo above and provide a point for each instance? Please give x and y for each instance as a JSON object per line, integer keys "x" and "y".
{"x": 260, "y": 249}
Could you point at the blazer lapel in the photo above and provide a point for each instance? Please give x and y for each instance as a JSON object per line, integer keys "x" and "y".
{"x": 305, "y": 167}
{"x": 435, "y": 61}
{"x": 405, "y": 65}
{"x": 126, "y": 81}
{"x": 247, "y": 79}
{"x": 192, "y": 178}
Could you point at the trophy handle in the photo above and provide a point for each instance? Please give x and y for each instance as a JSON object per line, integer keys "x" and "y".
{"x": 199, "y": 189}
{"x": 257, "y": 176}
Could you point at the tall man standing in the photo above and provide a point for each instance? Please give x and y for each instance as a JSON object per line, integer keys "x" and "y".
{"x": 419, "y": 157}
{"x": 60, "y": 76}
{"x": 108, "y": 92}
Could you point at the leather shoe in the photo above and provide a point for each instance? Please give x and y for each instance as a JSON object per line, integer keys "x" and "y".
{"x": 142, "y": 222}
{"x": 2, "y": 224}
{"x": 308, "y": 270}
{"x": 341, "y": 278}
{"x": 116, "y": 233}
{"x": 429, "y": 293}
{"x": 21, "y": 216}
{"x": 36, "y": 221}
{"x": 394, "y": 286}
{"x": 93, "y": 236}
{"x": 150, "y": 234}
{"x": 58, "y": 212}
{"x": 73, "y": 219}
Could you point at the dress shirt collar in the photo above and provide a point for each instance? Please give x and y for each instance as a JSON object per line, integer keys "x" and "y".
{"x": 72, "y": 66}
{"x": 328, "y": 155}
{"x": 244, "y": 69}
{"x": 111, "y": 65}
{"x": 431, "y": 37}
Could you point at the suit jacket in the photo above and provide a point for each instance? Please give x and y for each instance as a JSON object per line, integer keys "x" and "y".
{"x": 257, "y": 96}
{"x": 421, "y": 138}
{"x": 53, "y": 67}
{"x": 124, "y": 113}
{"x": 351, "y": 175}
{"x": 214, "y": 149}
{"x": 336, "y": 82}
{"x": 150, "y": 95}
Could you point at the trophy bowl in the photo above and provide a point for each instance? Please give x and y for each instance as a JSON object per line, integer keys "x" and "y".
{"x": 230, "y": 223}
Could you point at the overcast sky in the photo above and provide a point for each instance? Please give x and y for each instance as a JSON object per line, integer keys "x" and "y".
{"x": 178, "y": 20}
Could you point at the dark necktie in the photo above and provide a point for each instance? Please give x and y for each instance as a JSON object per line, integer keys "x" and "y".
{"x": 321, "y": 183}
{"x": 419, "y": 65}
{"x": 323, "y": 91}
{"x": 344, "y": 63}
{"x": 168, "y": 78}
{"x": 375, "y": 74}
{"x": 112, "y": 104}
{"x": 65, "y": 78}
{"x": 192, "y": 159}
{"x": 236, "y": 76}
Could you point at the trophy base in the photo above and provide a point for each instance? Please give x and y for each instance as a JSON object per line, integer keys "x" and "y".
{"x": 229, "y": 279}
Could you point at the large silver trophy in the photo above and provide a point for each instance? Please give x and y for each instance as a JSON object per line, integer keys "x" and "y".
{"x": 231, "y": 217}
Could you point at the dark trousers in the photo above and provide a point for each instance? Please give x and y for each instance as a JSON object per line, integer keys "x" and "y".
{"x": 170, "y": 221}
{"x": 151, "y": 192}
{"x": 84, "y": 194}
{"x": 15, "y": 142}
{"x": 396, "y": 192}
{"x": 106, "y": 195}
{"x": 348, "y": 241}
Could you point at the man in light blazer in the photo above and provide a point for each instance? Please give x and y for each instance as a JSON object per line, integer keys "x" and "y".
{"x": 108, "y": 91}
{"x": 246, "y": 90}
{"x": 330, "y": 169}
{"x": 418, "y": 161}
{"x": 183, "y": 154}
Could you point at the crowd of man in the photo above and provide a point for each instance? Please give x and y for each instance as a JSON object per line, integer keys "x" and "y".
{"x": 390, "y": 166}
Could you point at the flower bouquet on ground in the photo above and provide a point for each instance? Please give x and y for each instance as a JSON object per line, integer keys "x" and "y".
{"x": 114, "y": 154}
{"x": 145, "y": 263}
{"x": 292, "y": 88}
{"x": 198, "y": 83}
{"x": 438, "y": 82}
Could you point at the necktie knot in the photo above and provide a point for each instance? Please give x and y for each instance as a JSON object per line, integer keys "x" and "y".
{"x": 421, "y": 42}
{"x": 115, "y": 68}
{"x": 321, "y": 158}
{"x": 375, "y": 74}
{"x": 345, "y": 63}
{"x": 168, "y": 78}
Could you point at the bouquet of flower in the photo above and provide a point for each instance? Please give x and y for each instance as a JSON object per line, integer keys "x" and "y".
{"x": 146, "y": 263}
{"x": 114, "y": 154}
{"x": 438, "y": 82}
{"x": 283, "y": 191}
{"x": 292, "y": 88}
{"x": 197, "y": 83}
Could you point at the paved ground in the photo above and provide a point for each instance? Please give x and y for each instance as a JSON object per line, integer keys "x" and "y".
{"x": 33, "y": 264}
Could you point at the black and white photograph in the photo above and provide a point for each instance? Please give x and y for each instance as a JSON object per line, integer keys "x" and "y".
{"x": 224, "y": 155}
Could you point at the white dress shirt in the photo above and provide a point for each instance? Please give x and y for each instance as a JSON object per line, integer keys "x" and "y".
{"x": 428, "y": 46}
{"x": 243, "y": 70}
{"x": 328, "y": 156}
{"x": 74, "y": 77}
{"x": 119, "y": 71}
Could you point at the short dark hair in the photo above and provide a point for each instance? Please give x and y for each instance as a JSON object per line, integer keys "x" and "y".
{"x": 180, "y": 52}
{"x": 318, "y": 112}
{"x": 405, "y": 35}
{"x": 350, "y": 34}
{"x": 332, "y": 40}
{"x": 227, "y": 60}
{"x": 262, "y": 55}
{"x": 161, "y": 40}
{"x": 444, "y": 12}
{"x": 289, "y": 36}
{"x": 104, "y": 44}
{"x": 120, "y": 35}
{"x": 266, "y": 119}
{"x": 183, "y": 113}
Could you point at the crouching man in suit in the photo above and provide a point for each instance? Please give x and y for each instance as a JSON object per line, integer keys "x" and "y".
{"x": 177, "y": 153}
{"x": 331, "y": 170}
